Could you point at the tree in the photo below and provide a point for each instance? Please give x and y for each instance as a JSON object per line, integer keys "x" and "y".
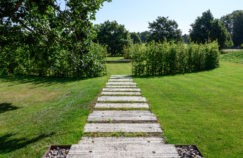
{"x": 206, "y": 29}
{"x": 200, "y": 31}
{"x": 114, "y": 36}
{"x": 186, "y": 38}
{"x": 144, "y": 36}
{"x": 47, "y": 38}
{"x": 234, "y": 24}
{"x": 221, "y": 34}
{"x": 135, "y": 37}
{"x": 164, "y": 29}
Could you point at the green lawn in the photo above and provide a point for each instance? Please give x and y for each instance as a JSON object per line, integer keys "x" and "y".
{"x": 38, "y": 112}
{"x": 200, "y": 108}
{"x": 235, "y": 57}
{"x": 114, "y": 58}
{"x": 119, "y": 68}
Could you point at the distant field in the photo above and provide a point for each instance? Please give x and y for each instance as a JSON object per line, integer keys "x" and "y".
{"x": 114, "y": 58}
{"x": 233, "y": 56}
{"x": 231, "y": 50}
{"x": 119, "y": 68}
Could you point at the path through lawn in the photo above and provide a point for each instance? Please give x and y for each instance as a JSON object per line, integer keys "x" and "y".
{"x": 38, "y": 112}
{"x": 201, "y": 108}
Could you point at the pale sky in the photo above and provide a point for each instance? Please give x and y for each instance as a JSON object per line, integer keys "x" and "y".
{"x": 135, "y": 14}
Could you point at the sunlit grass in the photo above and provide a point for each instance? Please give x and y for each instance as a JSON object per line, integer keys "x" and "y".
{"x": 234, "y": 56}
{"x": 38, "y": 112}
{"x": 114, "y": 58}
{"x": 203, "y": 108}
{"x": 119, "y": 68}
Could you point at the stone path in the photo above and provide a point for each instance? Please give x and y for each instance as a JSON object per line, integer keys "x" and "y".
{"x": 122, "y": 111}
{"x": 121, "y": 116}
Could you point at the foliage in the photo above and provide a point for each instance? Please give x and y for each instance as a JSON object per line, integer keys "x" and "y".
{"x": 94, "y": 61}
{"x": 135, "y": 38}
{"x": 186, "y": 38}
{"x": 56, "y": 62}
{"x": 164, "y": 29}
{"x": 114, "y": 36}
{"x": 206, "y": 29}
{"x": 127, "y": 54}
{"x": 144, "y": 36}
{"x": 169, "y": 58}
{"x": 234, "y": 24}
{"x": 41, "y": 39}
{"x": 220, "y": 33}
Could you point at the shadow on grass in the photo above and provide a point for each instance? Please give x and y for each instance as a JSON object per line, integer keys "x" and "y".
{"x": 4, "y": 107}
{"x": 171, "y": 75}
{"x": 38, "y": 80}
{"x": 9, "y": 144}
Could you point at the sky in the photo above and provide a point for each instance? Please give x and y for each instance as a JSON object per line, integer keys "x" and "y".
{"x": 136, "y": 14}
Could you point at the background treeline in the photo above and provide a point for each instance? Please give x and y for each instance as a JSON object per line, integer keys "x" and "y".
{"x": 234, "y": 24}
{"x": 44, "y": 39}
{"x": 169, "y": 58}
{"x": 227, "y": 31}
{"x": 40, "y": 38}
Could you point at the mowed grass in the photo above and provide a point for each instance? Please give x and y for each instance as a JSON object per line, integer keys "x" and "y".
{"x": 38, "y": 112}
{"x": 205, "y": 109}
{"x": 233, "y": 56}
{"x": 114, "y": 58}
{"x": 119, "y": 69}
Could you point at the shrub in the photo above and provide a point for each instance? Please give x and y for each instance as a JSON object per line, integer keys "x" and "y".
{"x": 166, "y": 58}
{"x": 241, "y": 46}
{"x": 56, "y": 63}
{"x": 94, "y": 61}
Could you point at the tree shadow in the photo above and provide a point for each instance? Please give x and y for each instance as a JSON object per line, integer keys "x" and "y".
{"x": 9, "y": 144}
{"x": 39, "y": 80}
{"x": 4, "y": 107}
{"x": 170, "y": 75}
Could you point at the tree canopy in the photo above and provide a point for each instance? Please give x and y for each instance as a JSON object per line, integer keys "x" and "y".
{"x": 114, "y": 36}
{"x": 206, "y": 29}
{"x": 234, "y": 24}
{"x": 144, "y": 36}
{"x": 135, "y": 38}
{"x": 37, "y": 37}
{"x": 164, "y": 29}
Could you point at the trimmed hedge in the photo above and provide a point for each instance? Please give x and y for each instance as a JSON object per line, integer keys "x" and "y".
{"x": 157, "y": 59}
{"x": 55, "y": 63}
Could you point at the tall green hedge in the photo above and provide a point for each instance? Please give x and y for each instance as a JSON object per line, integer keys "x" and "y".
{"x": 54, "y": 63}
{"x": 157, "y": 59}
